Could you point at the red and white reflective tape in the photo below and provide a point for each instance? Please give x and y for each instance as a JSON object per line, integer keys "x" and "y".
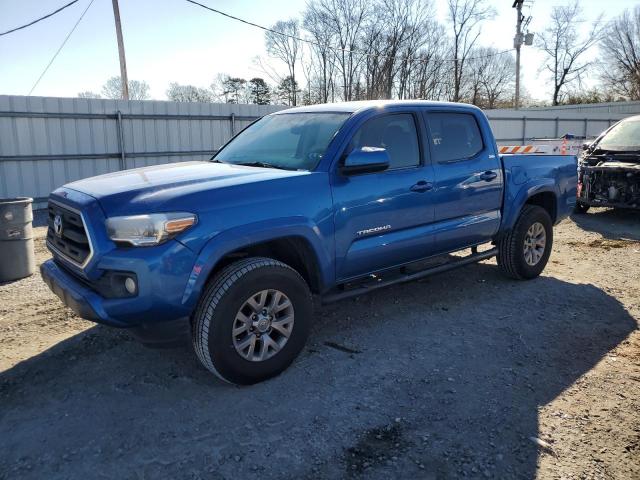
{"x": 519, "y": 149}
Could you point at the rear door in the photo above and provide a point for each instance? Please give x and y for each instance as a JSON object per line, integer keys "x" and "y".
{"x": 468, "y": 179}
{"x": 384, "y": 219}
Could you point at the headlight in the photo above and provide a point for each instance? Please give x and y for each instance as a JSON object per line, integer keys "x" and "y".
{"x": 147, "y": 230}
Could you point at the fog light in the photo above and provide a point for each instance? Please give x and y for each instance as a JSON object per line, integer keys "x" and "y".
{"x": 130, "y": 285}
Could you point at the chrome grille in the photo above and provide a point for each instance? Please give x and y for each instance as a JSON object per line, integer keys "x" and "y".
{"x": 67, "y": 235}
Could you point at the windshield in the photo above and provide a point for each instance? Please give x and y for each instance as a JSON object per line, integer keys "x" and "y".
{"x": 623, "y": 137}
{"x": 293, "y": 141}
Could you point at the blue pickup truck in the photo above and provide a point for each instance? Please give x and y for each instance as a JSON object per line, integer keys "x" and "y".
{"x": 326, "y": 200}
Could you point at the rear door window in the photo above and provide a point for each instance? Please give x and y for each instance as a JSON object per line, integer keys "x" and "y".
{"x": 454, "y": 136}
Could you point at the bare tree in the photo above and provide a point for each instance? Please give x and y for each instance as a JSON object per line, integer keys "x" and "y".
{"x": 138, "y": 90}
{"x": 318, "y": 23}
{"x": 417, "y": 36}
{"x": 620, "y": 47}
{"x": 285, "y": 47}
{"x": 188, "y": 93}
{"x": 395, "y": 31}
{"x": 565, "y": 47}
{"x": 431, "y": 73}
{"x": 218, "y": 89}
{"x": 308, "y": 93}
{"x": 498, "y": 81}
{"x": 465, "y": 17}
{"x": 491, "y": 77}
{"x": 477, "y": 63}
{"x": 592, "y": 95}
{"x": 370, "y": 49}
{"x": 345, "y": 21}
{"x": 89, "y": 94}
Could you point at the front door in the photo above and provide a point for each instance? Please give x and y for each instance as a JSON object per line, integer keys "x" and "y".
{"x": 384, "y": 219}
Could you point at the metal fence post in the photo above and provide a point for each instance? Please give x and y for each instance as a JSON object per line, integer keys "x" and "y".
{"x": 233, "y": 124}
{"x": 524, "y": 130}
{"x": 557, "y": 127}
{"x": 123, "y": 159}
{"x": 586, "y": 120}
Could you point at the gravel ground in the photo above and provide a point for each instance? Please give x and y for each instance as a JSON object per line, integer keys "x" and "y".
{"x": 465, "y": 374}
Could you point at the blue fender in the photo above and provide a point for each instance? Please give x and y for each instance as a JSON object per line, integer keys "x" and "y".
{"x": 515, "y": 199}
{"x": 251, "y": 234}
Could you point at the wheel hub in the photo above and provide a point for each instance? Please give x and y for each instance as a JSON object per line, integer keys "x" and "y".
{"x": 535, "y": 242}
{"x": 263, "y": 325}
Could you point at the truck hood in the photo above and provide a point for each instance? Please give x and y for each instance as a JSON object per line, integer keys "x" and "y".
{"x": 162, "y": 187}
{"x": 630, "y": 159}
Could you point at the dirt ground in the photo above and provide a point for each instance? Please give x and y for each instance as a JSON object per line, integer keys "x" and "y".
{"x": 462, "y": 375}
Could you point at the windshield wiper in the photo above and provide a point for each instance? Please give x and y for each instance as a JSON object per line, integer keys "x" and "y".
{"x": 263, "y": 165}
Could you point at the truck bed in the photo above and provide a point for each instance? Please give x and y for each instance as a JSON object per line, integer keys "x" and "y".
{"x": 525, "y": 175}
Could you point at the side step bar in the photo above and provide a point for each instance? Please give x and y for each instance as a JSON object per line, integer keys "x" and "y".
{"x": 408, "y": 277}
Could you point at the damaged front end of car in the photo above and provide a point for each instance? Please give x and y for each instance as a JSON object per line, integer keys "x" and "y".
{"x": 609, "y": 181}
{"x": 609, "y": 170}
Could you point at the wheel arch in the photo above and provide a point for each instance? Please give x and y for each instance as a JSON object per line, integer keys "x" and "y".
{"x": 295, "y": 251}
{"x": 542, "y": 193}
{"x": 297, "y": 246}
{"x": 548, "y": 201}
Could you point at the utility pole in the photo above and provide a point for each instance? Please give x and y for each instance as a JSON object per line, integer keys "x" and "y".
{"x": 124, "y": 80}
{"x": 517, "y": 43}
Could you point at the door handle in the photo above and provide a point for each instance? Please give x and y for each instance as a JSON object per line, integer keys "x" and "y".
{"x": 422, "y": 186}
{"x": 488, "y": 176}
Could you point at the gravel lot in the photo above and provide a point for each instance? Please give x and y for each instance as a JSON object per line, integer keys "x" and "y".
{"x": 443, "y": 378}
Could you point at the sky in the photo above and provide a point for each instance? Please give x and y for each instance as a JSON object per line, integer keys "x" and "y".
{"x": 175, "y": 41}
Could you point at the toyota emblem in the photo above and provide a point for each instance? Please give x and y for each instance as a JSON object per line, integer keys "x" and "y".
{"x": 57, "y": 225}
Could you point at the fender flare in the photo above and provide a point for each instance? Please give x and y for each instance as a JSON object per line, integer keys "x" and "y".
{"x": 524, "y": 193}
{"x": 246, "y": 235}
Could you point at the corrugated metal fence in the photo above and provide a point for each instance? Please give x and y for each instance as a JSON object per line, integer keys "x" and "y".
{"x": 626, "y": 108}
{"x": 47, "y": 142}
{"x": 517, "y": 127}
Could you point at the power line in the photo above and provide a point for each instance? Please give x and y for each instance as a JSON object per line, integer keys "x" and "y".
{"x": 39, "y": 19}
{"x": 330, "y": 47}
{"x": 59, "y": 49}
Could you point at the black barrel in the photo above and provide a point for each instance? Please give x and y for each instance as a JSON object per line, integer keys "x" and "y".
{"x": 17, "y": 258}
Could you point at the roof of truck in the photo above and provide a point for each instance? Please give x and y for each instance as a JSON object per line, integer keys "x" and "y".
{"x": 351, "y": 107}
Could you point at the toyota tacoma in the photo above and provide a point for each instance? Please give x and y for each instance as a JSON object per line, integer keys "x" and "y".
{"x": 329, "y": 200}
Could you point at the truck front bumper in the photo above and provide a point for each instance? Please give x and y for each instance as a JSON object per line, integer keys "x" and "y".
{"x": 161, "y": 272}
{"x": 83, "y": 301}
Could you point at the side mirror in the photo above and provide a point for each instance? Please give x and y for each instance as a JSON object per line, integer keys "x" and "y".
{"x": 365, "y": 160}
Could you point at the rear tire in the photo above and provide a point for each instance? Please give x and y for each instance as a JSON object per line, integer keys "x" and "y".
{"x": 581, "y": 208}
{"x": 252, "y": 320}
{"x": 524, "y": 251}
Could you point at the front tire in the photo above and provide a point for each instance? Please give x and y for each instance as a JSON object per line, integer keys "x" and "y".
{"x": 252, "y": 320}
{"x": 524, "y": 251}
